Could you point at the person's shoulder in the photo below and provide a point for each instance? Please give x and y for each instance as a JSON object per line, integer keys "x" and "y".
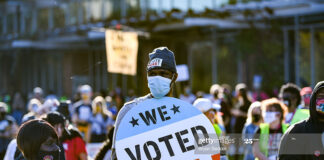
{"x": 13, "y": 142}
{"x": 77, "y": 104}
{"x": 143, "y": 98}
{"x": 74, "y": 132}
{"x": 10, "y": 119}
{"x": 28, "y": 116}
{"x": 299, "y": 127}
{"x": 248, "y": 125}
{"x": 136, "y": 101}
{"x": 129, "y": 105}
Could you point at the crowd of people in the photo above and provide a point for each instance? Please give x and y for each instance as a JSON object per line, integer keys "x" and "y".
{"x": 260, "y": 121}
{"x": 86, "y": 119}
{"x": 59, "y": 128}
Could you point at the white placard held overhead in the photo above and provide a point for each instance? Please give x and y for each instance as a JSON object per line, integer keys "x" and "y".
{"x": 121, "y": 51}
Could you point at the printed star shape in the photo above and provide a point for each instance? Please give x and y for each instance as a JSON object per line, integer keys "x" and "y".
{"x": 134, "y": 121}
{"x": 175, "y": 109}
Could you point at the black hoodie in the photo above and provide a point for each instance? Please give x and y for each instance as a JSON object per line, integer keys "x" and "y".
{"x": 303, "y": 140}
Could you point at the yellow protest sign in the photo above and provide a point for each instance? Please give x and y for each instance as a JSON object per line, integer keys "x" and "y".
{"x": 121, "y": 51}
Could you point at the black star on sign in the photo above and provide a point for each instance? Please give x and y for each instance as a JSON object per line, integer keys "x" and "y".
{"x": 175, "y": 109}
{"x": 134, "y": 121}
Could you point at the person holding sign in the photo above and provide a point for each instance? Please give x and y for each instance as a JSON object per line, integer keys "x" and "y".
{"x": 160, "y": 127}
{"x": 161, "y": 76}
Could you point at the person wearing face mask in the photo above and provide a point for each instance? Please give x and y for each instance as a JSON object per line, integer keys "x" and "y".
{"x": 290, "y": 96}
{"x": 83, "y": 112}
{"x": 102, "y": 120}
{"x": 306, "y": 93}
{"x": 38, "y": 94}
{"x": 239, "y": 115}
{"x": 8, "y": 128}
{"x": 210, "y": 111}
{"x": 302, "y": 112}
{"x": 70, "y": 141}
{"x": 305, "y": 140}
{"x": 33, "y": 106}
{"x": 251, "y": 126}
{"x": 49, "y": 105}
{"x": 161, "y": 77}
{"x": 38, "y": 140}
{"x": 56, "y": 120}
{"x": 187, "y": 95}
{"x": 217, "y": 99}
{"x": 267, "y": 137}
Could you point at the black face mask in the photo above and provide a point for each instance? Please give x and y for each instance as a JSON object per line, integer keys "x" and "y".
{"x": 49, "y": 155}
{"x": 256, "y": 117}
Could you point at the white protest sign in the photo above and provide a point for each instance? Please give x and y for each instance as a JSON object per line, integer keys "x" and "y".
{"x": 121, "y": 50}
{"x": 183, "y": 73}
{"x": 164, "y": 129}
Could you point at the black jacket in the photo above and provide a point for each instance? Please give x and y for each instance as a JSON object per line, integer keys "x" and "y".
{"x": 303, "y": 141}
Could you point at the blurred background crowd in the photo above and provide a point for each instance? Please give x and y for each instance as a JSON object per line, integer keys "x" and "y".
{"x": 89, "y": 116}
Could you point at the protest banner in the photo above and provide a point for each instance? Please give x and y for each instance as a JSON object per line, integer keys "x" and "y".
{"x": 164, "y": 129}
{"x": 121, "y": 51}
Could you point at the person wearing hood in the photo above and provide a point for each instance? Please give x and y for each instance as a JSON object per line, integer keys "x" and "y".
{"x": 101, "y": 121}
{"x": 304, "y": 140}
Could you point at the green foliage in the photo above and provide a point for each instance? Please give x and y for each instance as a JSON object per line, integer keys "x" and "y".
{"x": 262, "y": 51}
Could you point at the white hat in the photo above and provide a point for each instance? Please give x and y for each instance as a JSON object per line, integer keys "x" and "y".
{"x": 49, "y": 105}
{"x": 85, "y": 89}
{"x": 204, "y": 104}
{"x": 38, "y": 90}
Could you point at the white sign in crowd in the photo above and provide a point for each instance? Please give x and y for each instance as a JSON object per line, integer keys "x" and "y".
{"x": 121, "y": 52}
